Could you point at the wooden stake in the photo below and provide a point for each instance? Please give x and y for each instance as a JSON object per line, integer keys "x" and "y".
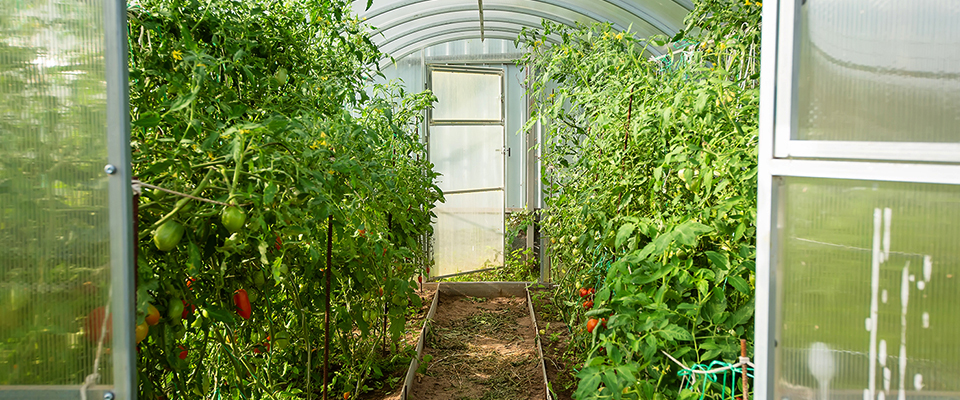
{"x": 743, "y": 370}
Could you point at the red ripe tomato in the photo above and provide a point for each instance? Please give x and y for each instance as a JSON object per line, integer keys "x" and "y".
{"x": 95, "y": 323}
{"x": 278, "y": 244}
{"x": 242, "y": 301}
{"x": 592, "y": 291}
{"x": 183, "y": 353}
{"x": 603, "y": 322}
{"x": 584, "y": 292}
{"x": 592, "y": 324}
{"x": 187, "y": 309}
{"x": 588, "y": 304}
{"x": 420, "y": 278}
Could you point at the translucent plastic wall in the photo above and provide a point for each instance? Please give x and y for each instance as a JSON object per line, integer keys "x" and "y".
{"x": 871, "y": 289}
{"x": 858, "y": 280}
{"x": 55, "y": 261}
{"x": 879, "y": 71}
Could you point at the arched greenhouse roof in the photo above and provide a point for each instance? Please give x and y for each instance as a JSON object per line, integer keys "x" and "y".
{"x": 406, "y": 26}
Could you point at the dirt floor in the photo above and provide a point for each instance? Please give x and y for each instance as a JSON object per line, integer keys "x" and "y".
{"x": 558, "y": 354}
{"x": 480, "y": 349}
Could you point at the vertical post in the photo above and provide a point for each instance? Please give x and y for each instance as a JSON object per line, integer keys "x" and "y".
{"x": 385, "y": 307}
{"x": 136, "y": 239}
{"x": 326, "y": 315}
{"x": 122, "y": 274}
{"x": 743, "y": 370}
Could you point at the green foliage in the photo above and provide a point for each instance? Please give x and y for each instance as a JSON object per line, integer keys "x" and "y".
{"x": 263, "y": 105}
{"x": 652, "y": 165}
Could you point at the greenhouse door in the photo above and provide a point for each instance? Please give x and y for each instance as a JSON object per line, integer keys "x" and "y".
{"x": 466, "y": 146}
{"x": 858, "y": 220}
{"x": 67, "y": 312}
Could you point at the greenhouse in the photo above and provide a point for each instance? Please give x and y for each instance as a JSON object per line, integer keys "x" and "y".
{"x": 480, "y": 199}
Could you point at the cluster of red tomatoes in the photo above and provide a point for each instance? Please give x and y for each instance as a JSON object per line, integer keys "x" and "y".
{"x": 588, "y": 293}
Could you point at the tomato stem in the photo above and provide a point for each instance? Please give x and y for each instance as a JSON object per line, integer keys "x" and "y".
{"x": 182, "y": 202}
{"x": 237, "y": 170}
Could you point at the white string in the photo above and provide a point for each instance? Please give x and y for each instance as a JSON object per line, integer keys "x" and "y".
{"x": 91, "y": 379}
{"x": 137, "y": 189}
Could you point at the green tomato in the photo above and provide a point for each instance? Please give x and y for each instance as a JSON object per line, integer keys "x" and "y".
{"x": 281, "y": 340}
{"x": 168, "y": 235}
{"x": 175, "y": 309}
{"x": 259, "y": 279}
{"x": 233, "y": 218}
{"x": 399, "y": 300}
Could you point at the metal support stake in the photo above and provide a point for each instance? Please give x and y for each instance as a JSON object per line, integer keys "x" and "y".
{"x": 743, "y": 370}
{"x": 326, "y": 316}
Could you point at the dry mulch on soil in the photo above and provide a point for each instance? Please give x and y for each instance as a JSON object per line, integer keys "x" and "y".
{"x": 558, "y": 357}
{"x": 481, "y": 349}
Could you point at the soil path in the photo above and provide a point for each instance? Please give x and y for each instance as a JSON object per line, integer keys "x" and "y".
{"x": 480, "y": 349}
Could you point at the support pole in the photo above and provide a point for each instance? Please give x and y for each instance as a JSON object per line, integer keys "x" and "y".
{"x": 326, "y": 316}
{"x": 743, "y": 370}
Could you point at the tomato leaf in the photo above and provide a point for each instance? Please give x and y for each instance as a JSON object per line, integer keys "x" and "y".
{"x": 147, "y": 120}
{"x": 719, "y": 260}
{"x": 674, "y": 333}
{"x": 739, "y": 283}
{"x": 624, "y": 233}
{"x": 218, "y": 314}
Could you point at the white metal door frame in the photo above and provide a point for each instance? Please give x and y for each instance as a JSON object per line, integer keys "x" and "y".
{"x": 430, "y": 121}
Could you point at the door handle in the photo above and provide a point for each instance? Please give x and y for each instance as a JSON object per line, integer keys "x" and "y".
{"x": 503, "y": 151}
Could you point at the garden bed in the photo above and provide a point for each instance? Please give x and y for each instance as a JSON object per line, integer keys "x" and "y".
{"x": 479, "y": 348}
{"x": 555, "y": 339}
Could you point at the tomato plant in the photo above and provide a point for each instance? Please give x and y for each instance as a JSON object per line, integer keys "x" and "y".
{"x": 652, "y": 167}
{"x": 265, "y": 110}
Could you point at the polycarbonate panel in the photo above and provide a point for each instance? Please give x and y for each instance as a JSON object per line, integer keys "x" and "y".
{"x": 55, "y": 268}
{"x": 879, "y": 70}
{"x": 468, "y": 233}
{"x": 516, "y": 161}
{"x": 463, "y": 96}
{"x": 467, "y": 156}
{"x": 869, "y": 283}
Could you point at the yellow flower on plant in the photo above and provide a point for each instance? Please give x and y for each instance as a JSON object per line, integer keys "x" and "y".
{"x": 746, "y": 3}
{"x": 620, "y": 36}
{"x": 177, "y": 55}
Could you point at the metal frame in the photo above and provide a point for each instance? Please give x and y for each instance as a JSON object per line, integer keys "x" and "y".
{"x": 121, "y": 201}
{"x": 428, "y": 70}
{"x": 635, "y": 16}
{"x": 778, "y": 158}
